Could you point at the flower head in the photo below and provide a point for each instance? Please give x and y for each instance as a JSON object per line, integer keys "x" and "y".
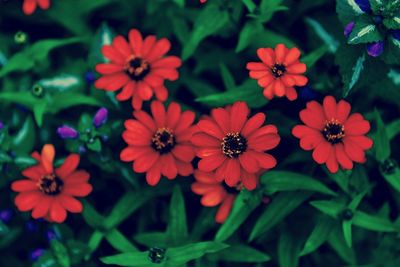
{"x": 233, "y": 145}
{"x": 100, "y": 117}
{"x": 50, "y": 192}
{"x": 159, "y": 144}
{"x": 139, "y": 67}
{"x": 67, "y": 132}
{"x": 335, "y": 136}
{"x": 214, "y": 193}
{"x": 30, "y": 6}
{"x": 279, "y": 71}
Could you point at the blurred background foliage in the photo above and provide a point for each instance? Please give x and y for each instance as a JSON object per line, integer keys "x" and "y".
{"x": 313, "y": 219}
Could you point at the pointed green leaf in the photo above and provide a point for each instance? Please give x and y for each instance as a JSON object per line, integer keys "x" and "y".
{"x": 312, "y": 58}
{"x": 373, "y": 223}
{"x": 348, "y": 10}
{"x": 24, "y": 140}
{"x": 319, "y": 235}
{"x": 103, "y": 36}
{"x": 250, "y": 30}
{"x": 280, "y": 207}
{"x": 327, "y": 38}
{"x": 133, "y": 259}
{"x": 244, "y": 204}
{"x": 393, "y": 178}
{"x": 392, "y": 23}
{"x": 60, "y": 253}
{"x": 330, "y": 207}
{"x": 346, "y": 226}
{"x": 227, "y": 77}
{"x": 381, "y": 141}
{"x": 38, "y": 112}
{"x": 240, "y": 253}
{"x": 119, "y": 242}
{"x": 153, "y": 239}
{"x": 177, "y": 224}
{"x": 250, "y": 5}
{"x": 364, "y": 32}
{"x": 288, "y": 250}
{"x": 276, "y": 181}
{"x": 337, "y": 242}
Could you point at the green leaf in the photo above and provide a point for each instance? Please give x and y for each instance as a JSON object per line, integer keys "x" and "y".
{"x": 288, "y": 250}
{"x": 348, "y": 10}
{"x": 153, "y": 239}
{"x": 381, "y": 141}
{"x": 280, "y": 207}
{"x": 319, "y": 235}
{"x": 312, "y": 58}
{"x": 35, "y": 54}
{"x": 61, "y": 254}
{"x": 240, "y": 253}
{"x": 210, "y": 21}
{"x": 104, "y": 36}
{"x": 61, "y": 82}
{"x": 249, "y": 32}
{"x": 227, "y": 77}
{"x": 38, "y": 112}
{"x": 373, "y": 223}
{"x": 95, "y": 145}
{"x": 330, "y": 207}
{"x": 249, "y": 92}
{"x": 276, "y": 181}
{"x": 346, "y": 226}
{"x": 182, "y": 255}
{"x": 92, "y": 217}
{"x": 393, "y": 178}
{"x": 337, "y": 242}
{"x": 134, "y": 259}
{"x": 119, "y": 241}
{"x": 393, "y": 129}
{"x": 268, "y": 8}
{"x": 244, "y": 204}
{"x": 392, "y": 23}
{"x": 250, "y": 5}
{"x": 327, "y": 38}
{"x": 364, "y": 32}
{"x": 66, "y": 100}
{"x": 24, "y": 140}
{"x": 177, "y": 224}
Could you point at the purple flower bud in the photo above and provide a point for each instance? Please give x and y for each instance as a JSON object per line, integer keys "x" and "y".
{"x": 348, "y": 29}
{"x": 5, "y": 215}
{"x": 66, "y": 132}
{"x": 1, "y": 125}
{"x": 396, "y": 34}
{"x": 375, "y": 49}
{"x": 101, "y": 117}
{"x": 36, "y": 254}
{"x": 364, "y": 5}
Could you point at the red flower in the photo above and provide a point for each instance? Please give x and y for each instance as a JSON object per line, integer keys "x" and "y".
{"x": 233, "y": 145}
{"x": 159, "y": 145}
{"x": 29, "y": 6}
{"x": 333, "y": 134}
{"x": 138, "y": 67}
{"x": 214, "y": 193}
{"x": 50, "y": 192}
{"x": 279, "y": 71}
{"x": 203, "y": 1}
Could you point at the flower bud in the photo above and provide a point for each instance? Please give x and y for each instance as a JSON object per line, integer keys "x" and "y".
{"x": 375, "y": 49}
{"x": 348, "y": 29}
{"x": 66, "y": 132}
{"x": 101, "y": 117}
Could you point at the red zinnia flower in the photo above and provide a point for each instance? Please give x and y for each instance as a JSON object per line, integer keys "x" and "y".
{"x": 50, "y": 192}
{"x": 138, "y": 67}
{"x": 279, "y": 71}
{"x": 159, "y": 145}
{"x": 233, "y": 145}
{"x": 214, "y": 193}
{"x": 333, "y": 134}
{"x": 29, "y": 6}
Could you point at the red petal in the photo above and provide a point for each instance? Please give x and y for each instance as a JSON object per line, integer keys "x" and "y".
{"x": 154, "y": 80}
{"x": 292, "y": 56}
{"x": 24, "y": 185}
{"x": 362, "y": 141}
{"x": 313, "y": 116}
{"x": 267, "y": 129}
{"x": 148, "y": 45}
{"x": 77, "y": 190}
{"x": 77, "y": 177}
{"x": 186, "y": 120}
{"x": 343, "y": 111}
{"x": 144, "y": 90}
{"x": 257, "y": 66}
{"x": 210, "y": 128}
{"x": 173, "y": 115}
{"x": 159, "y": 114}
{"x": 258, "y": 74}
{"x": 354, "y": 152}
{"x": 279, "y": 88}
{"x": 108, "y": 68}
{"x": 131, "y": 153}
{"x": 356, "y": 127}
{"x": 266, "y": 55}
{"x": 121, "y": 45}
{"x": 167, "y": 73}
{"x": 29, "y": 6}
{"x": 322, "y": 151}
{"x": 291, "y": 93}
{"x": 249, "y": 163}
{"x": 206, "y": 178}
{"x": 184, "y": 168}
{"x": 42, "y": 207}
{"x": 249, "y": 181}
{"x": 136, "y": 102}
{"x": 209, "y": 164}
{"x": 233, "y": 172}
{"x": 71, "y": 204}
{"x": 34, "y": 173}
{"x": 221, "y": 117}
{"x": 136, "y": 139}
{"x": 184, "y": 153}
{"x": 253, "y": 124}
{"x": 332, "y": 163}
{"x": 159, "y": 50}
{"x": 300, "y": 79}
{"x": 201, "y": 189}
{"x": 144, "y": 163}
{"x": 264, "y": 142}
{"x": 145, "y": 119}
{"x": 167, "y": 62}
{"x": 238, "y": 116}
{"x": 297, "y": 68}
{"x": 265, "y": 161}
{"x": 161, "y": 93}
{"x": 44, "y": 4}
{"x": 205, "y": 140}
{"x": 280, "y": 53}
{"x": 58, "y": 214}
{"x": 342, "y": 157}
{"x": 136, "y": 41}
{"x": 213, "y": 198}
{"x": 70, "y": 164}
{"x": 330, "y": 107}
{"x": 48, "y": 154}
{"x": 225, "y": 209}
{"x": 268, "y": 92}
{"x": 27, "y": 200}
{"x": 265, "y": 81}
{"x": 127, "y": 91}
{"x": 112, "y": 54}
{"x": 153, "y": 175}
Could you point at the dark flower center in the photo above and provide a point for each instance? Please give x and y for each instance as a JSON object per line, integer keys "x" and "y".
{"x": 333, "y": 131}
{"x": 278, "y": 70}
{"x": 137, "y": 68}
{"x": 234, "y": 145}
{"x": 50, "y": 184}
{"x": 163, "y": 141}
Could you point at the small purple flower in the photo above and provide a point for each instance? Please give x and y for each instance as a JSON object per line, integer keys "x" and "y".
{"x": 364, "y": 5}
{"x": 396, "y": 34}
{"x": 1, "y": 125}
{"x": 375, "y": 49}
{"x": 5, "y": 215}
{"x": 348, "y": 29}
{"x": 36, "y": 254}
{"x": 101, "y": 117}
{"x": 67, "y": 132}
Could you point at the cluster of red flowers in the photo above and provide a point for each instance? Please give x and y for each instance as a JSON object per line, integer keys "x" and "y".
{"x": 231, "y": 143}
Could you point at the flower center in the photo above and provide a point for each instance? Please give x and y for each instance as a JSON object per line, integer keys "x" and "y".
{"x": 163, "y": 141}
{"x": 278, "y": 70}
{"x": 50, "y": 184}
{"x": 233, "y": 145}
{"x": 333, "y": 131}
{"x": 137, "y": 68}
